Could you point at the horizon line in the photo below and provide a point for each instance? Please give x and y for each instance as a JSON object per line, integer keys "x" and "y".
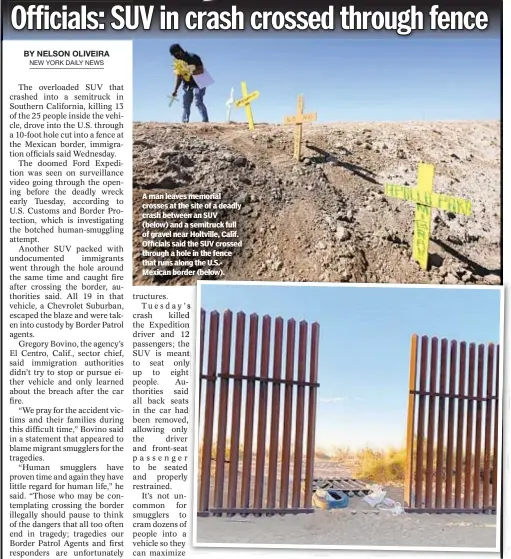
{"x": 316, "y": 124}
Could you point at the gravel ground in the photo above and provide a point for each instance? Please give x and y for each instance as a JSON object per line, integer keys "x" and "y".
{"x": 353, "y": 527}
{"x": 326, "y": 218}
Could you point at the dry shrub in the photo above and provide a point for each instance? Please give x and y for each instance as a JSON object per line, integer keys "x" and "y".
{"x": 343, "y": 454}
{"x": 381, "y": 466}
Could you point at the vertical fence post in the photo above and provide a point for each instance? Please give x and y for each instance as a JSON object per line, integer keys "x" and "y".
{"x": 311, "y": 429}
{"x": 232, "y": 489}
{"x": 410, "y": 423}
{"x": 470, "y": 427}
{"x": 222, "y": 410}
{"x": 495, "y": 466}
{"x": 288, "y": 413}
{"x": 488, "y": 426}
{"x": 430, "y": 445}
{"x": 449, "y": 460}
{"x": 441, "y": 425}
{"x": 209, "y": 411}
{"x": 248, "y": 437}
{"x": 275, "y": 414}
{"x": 201, "y": 358}
{"x": 263, "y": 413}
{"x": 478, "y": 434}
{"x": 300, "y": 412}
{"x": 461, "y": 426}
{"x": 419, "y": 476}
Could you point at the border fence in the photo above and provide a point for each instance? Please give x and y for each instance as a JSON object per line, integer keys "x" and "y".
{"x": 257, "y": 414}
{"x": 452, "y": 428}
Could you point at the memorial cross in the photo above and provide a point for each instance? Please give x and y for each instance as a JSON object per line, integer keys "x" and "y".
{"x": 425, "y": 199}
{"x": 245, "y": 101}
{"x": 298, "y": 121}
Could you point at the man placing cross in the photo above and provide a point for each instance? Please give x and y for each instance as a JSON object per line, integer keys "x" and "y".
{"x": 186, "y": 66}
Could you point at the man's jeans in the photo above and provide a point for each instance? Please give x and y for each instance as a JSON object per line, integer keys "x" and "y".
{"x": 188, "y": 96}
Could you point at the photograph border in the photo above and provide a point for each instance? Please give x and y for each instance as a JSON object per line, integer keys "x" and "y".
{"x": 285, "y": 285}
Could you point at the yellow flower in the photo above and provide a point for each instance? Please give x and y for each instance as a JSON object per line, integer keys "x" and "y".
{"x": 183, "y": 69}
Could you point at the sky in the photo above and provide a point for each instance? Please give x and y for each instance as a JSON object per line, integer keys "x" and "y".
{"x": 364, "y": 347}
{"x": 343, "y": 80}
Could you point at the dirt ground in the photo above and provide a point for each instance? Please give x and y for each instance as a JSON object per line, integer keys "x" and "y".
{"x": 342, "y": 528}
{"x": 326, "y": 218}
{"x": 357, "y": 525}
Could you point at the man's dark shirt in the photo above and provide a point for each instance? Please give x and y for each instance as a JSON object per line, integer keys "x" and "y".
{"x": 191, "y": 58}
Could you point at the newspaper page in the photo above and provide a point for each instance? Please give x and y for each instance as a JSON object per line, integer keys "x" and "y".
{"x": 252, "y": 279}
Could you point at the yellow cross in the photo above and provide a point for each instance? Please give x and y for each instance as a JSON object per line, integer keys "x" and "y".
{"x": 298, "y": 120}
{"x": 245, "y": 101}
{"x": 425, "y": 199}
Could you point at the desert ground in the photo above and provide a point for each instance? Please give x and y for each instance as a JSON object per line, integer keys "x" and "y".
{"x": 326, "y": 218}
{"x": 343, "y": 528}
{"x": 357, "y": 525}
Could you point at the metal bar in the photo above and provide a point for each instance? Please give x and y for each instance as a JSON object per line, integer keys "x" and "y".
{"x": 311, "y": 420}
{"x": 201, "y": 365}
{"x": 419, "y": 476}
{"x": 441, "y": 425}
{"x": 495, "y": 465}
{"x": 449, "y": 511}
{"x": 209, "y": 377}
{"x": 461, "y": 426}
{"x": 300, "y": 414}
{"x": 275, "y": 414}
{"x": 222, "y": 410}
{"x": 410, "y": 421}
{"x": 288, "y": 414}
{"x": 262, "y": 380}
{"x": 447, "y": 395}
{"x": 430, "y": 446}
{"x": 263, "y": 413}
{"x": 267, "y": 512}
{"x": 207, "y": 441}
{"x": 468, "y": 446}
{"x": 449, "y": 458}
{"x": 236, "y": 412}
{"x": 479, "y": 419}
{"x": 488, "y": 427}
{"x": 248, "y": 437}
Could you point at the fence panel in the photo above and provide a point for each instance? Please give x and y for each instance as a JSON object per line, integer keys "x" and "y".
{"x": 267, "y": 376}
{"x": 452, "y": 467}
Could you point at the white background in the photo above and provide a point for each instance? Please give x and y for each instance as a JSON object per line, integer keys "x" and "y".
{"x": 120, "y": 71}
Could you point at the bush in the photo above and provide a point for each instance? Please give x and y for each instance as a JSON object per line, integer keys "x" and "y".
{"x": 381, "y": 466}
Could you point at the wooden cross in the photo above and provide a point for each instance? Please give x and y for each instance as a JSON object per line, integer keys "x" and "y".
{"x": 245, "y": 101}
{"x": 298, "y": 120}
{"x": 425, "y": 199}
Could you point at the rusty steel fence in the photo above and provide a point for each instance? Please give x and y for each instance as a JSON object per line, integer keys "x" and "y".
{"x": 452, "y": 431}
{"x": 257, "y": 414}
